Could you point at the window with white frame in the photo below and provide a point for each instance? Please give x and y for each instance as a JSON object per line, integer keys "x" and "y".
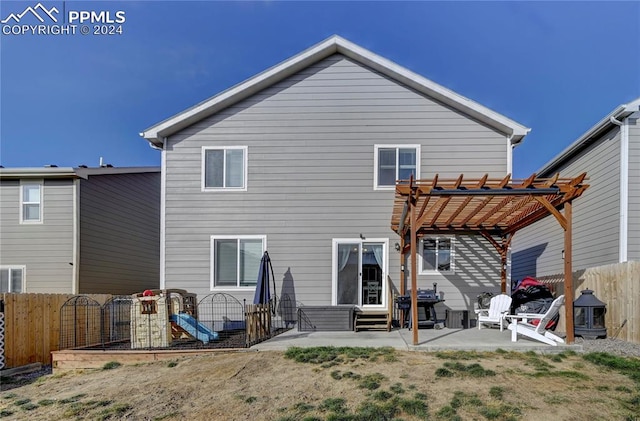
{"x": 224, "y": 168}
{"x": 11, "y": 279}
{"x": 437, "y": 254}
{"x": 235, "y": 260}
{"x": 395, "y": 162}
{"x": 31, "y": 202}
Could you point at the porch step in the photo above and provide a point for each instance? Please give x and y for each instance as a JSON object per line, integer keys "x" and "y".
{"x": 372, "y": 321}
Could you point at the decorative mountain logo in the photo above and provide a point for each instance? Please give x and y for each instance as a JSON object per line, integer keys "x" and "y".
{"x": 34, "y": 11}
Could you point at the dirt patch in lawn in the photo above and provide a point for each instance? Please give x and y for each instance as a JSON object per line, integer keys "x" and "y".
{"x": 335, "y": 384}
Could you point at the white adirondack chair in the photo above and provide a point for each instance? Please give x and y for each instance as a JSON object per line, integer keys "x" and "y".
{"x": 498, "y": 308}
{"x": 520, "y": 324}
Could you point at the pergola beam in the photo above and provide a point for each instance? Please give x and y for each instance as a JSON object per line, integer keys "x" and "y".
{"x": 495, "y": 192}
{"x": 555, "y": 212}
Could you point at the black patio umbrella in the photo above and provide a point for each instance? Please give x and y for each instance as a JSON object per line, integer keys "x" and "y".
{"x": 265, "y": 273}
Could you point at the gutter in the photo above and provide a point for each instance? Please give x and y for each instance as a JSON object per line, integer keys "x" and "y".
{"x": 154, "y": 143}
{"x": 51, "y": 172}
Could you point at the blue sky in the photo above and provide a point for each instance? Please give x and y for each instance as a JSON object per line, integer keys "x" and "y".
{"x": 557, "y": 67}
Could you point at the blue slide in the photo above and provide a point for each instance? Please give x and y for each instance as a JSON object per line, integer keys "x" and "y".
{"x": 194, "y": 328}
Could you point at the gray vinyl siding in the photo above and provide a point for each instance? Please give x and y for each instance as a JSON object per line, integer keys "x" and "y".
{"x": 633, "y": 251}
{"x": 310, "y": 142}
{"x": 119, "y": 233}
{"x": 45, "y": 249}
{"x": 537, "y": 249}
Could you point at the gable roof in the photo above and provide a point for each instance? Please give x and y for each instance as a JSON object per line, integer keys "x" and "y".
{"x": 333, "y": 45}
{"x": 621, "y": 112}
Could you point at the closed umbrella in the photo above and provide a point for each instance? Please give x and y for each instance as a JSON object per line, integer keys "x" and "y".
{"x": 263, "y": 294}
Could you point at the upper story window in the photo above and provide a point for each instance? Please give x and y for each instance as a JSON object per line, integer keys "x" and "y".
{"x": 224, "y": 168}
{"x": 437, "y": 255}
{"x": 31, "y": 202}
{"x": 235, "y": 260}
{"x": 11, "y": 279}
{"x": 395, "y": 162}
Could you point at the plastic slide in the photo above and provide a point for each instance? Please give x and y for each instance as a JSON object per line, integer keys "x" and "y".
{"x": 194, "y": 328}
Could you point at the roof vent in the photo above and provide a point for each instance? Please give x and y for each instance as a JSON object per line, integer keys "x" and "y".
{"x": 51, "y": 166}
{"x": 103, "y": 165}
{"x": 82, "y": 166}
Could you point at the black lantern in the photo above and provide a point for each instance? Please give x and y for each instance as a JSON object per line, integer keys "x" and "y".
{"x": 588, "y": 316}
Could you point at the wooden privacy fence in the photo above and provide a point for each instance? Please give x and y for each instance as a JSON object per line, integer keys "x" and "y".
{"x": 258, "y": 318}
{"x": 618, "y": 286}
{"x": 32, "y": 326}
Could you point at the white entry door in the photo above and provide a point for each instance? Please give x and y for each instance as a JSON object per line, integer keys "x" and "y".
{"x": 360, "y": 272}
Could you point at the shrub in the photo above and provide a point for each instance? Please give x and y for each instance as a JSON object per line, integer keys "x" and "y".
{"x": 371, "y": 381}
{"x": 111, "y": 365}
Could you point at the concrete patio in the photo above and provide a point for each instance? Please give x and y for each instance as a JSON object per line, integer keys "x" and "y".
{"x": 487, "y": 339}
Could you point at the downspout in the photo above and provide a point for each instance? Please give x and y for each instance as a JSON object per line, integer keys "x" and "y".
{"x": 75, "y": 258}
{"x": 507, "y": 262}
{"x": 163, "y": 183}
{"x": 624, "y": 186}
{"x": 163, "y": 218}
{"x": 510, "y": 154}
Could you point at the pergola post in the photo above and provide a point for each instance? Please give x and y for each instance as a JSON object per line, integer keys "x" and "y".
{"x": 503, "y": 272}
{"x": 568, "y": 273}
{"x": 403, "y": 282}
{"x": 503, "y": 249}
{"x": 403, "y": 261}
{"x": 414, "y": 270}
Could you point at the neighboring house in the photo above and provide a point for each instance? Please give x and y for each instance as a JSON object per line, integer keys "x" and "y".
{"x": 606, "y": 219}
{"x": 79, "y": 230}
{"x": 302, "y": 160}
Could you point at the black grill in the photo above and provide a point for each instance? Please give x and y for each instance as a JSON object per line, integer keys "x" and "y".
{"x": 426, "y": 300}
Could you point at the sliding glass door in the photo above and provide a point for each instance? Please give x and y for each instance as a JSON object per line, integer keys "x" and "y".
{"x": 359, "y": 272}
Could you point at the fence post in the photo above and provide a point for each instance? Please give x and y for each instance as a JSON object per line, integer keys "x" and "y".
{"x": 246, "y": 323}
{"x": 2, "y": 363}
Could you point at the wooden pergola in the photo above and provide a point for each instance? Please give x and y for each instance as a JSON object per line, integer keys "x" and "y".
{"x": 493, "y": 208}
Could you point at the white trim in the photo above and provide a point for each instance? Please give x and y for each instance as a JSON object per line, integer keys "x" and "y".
{"x": 334, "y": 272}
{"x": 397, "y": 147}
{"x": 385, "y": 269}
{"x": 333, "y": 45}
{"x": 40, "y": 184}
{"x": 510, "y": 147}
{"x": 75, "y": 260}
{"x": 163, "y": 214}
{"x": 212, "y": 286}
{"x": 24, "y": 275}
{"x": 245, "y": 172}
{"x": 452, "y": 256}
{"x": 624, "y": 190}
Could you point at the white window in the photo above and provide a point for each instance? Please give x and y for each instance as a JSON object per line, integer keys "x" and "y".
{"x": 31, "y": 203}
{"x": 437, "y": 255}
{"x": 235, "y": 260}
{"x": 224, "y": 168}
{"x": 12, "y": 279}
{"x": 395, "y": 162}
